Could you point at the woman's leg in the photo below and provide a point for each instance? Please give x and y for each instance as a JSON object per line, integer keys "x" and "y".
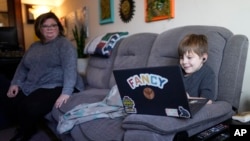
{"x": 8, "y": 106}
{"x": 4, "y": 85}
{"x": 34, "y": 107}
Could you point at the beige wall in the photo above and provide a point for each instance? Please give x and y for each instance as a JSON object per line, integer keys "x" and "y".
{"x": 69, "y": 6}
{"x": 29, "y": 35}
{"x": 231, "y": 14}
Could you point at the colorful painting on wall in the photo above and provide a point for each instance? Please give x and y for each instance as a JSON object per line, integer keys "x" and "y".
{"x": 106, "y": 11}
{"x": 159, "y": 10}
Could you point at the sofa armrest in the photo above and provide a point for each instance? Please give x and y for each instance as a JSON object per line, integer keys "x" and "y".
{"x": 165, "y": 125}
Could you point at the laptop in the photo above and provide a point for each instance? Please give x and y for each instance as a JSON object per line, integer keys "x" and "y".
{"x": 156, "y": 91}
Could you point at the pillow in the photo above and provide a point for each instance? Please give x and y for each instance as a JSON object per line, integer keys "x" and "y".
{"x": 104, "y": 44}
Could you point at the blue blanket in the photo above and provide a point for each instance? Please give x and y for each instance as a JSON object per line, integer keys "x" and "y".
{"x": 110, "y": 107}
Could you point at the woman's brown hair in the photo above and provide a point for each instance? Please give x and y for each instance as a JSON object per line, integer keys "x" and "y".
{"x": 41, "y": 19}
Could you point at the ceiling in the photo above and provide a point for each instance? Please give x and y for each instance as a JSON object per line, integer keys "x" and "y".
{"x": 55, "y": 3}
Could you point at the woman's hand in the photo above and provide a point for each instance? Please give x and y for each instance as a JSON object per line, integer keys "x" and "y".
{"x": 13, "y": 91}
{"x": 62, "y": 99}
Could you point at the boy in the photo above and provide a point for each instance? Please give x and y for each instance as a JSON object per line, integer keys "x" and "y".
{"x": 199, "y": 79}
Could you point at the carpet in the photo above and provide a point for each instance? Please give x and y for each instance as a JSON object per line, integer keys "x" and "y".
{"x": 41, "y": 135}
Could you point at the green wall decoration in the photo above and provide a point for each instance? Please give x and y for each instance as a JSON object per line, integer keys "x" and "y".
{"x": 158, "y": 10}
{"x": 106, "y": 11}
{"x": 80, "y": 39}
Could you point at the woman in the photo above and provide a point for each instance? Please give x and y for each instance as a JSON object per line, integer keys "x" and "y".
{"x": 45, "y": 77}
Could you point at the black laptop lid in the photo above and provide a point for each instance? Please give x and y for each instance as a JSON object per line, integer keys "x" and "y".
{"x": 152, "y": 91}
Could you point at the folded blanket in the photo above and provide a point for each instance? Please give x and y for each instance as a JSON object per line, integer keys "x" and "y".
{"x": 104, "y": 44}
{"x": 111, "y": 107}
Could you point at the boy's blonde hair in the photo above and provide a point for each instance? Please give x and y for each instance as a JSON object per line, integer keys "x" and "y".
{"x": 196, "y": 43}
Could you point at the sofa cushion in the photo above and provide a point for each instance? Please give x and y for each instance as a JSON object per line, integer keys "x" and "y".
{"x": 144, "y": 135}
{"x": 99, "y": 130}
{"x": 99, "y": 70}
{"x": 133, "y": 52}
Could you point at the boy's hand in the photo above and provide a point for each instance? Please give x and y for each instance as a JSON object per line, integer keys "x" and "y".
{"x": 209, "y": 102}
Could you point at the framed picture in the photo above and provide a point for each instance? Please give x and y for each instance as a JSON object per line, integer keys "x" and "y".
{"x": 106, "y": 11}
{"x": 158, "y": 10}
{"x": 29, "y": 16}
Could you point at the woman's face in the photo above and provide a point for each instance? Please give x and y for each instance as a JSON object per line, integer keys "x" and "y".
{"x": 49, "y": 29}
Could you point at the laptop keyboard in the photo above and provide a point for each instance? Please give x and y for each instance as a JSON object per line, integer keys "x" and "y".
{"x": 196, "y": 104}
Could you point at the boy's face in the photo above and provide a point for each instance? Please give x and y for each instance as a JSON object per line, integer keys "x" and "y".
{"x": 192, "y": 62}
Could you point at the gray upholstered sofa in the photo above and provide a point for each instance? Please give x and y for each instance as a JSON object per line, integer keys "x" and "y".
{"x": 227, "y": 56}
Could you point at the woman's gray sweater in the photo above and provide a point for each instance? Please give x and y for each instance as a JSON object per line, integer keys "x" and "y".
{"x": 49, "y": 65}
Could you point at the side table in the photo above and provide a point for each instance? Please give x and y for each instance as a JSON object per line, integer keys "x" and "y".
{"x": 230, "y": 130}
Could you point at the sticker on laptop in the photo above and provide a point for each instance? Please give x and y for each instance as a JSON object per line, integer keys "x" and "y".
{"x": 184, "y": 112}
{"x": 129, "y": 105}
{"x": 172, "y": 112}
{"x": 175, "y": 112}
{"x": 148, "y": 93}
{"x": 144, "y": 79}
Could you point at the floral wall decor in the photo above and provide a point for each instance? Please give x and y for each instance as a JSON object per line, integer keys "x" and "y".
{"x": 158, "y": 10}
{"x": 76, "y": 29}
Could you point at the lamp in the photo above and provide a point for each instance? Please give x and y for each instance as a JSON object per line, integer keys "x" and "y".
{"x": 37, "y": 10}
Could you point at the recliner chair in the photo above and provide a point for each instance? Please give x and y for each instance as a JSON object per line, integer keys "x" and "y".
{"x": 227, "y": 56}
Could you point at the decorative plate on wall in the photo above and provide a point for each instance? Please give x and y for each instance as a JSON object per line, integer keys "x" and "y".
{"x": 127, "y": 8}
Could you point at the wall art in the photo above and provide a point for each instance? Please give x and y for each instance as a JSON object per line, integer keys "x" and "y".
{"x": 29, "y": 16}
{"x": 127, "y": 9}
{"x": 159, "y": 10}
{"x": 106, "y": 11}
{"x": 78, "y": 18}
